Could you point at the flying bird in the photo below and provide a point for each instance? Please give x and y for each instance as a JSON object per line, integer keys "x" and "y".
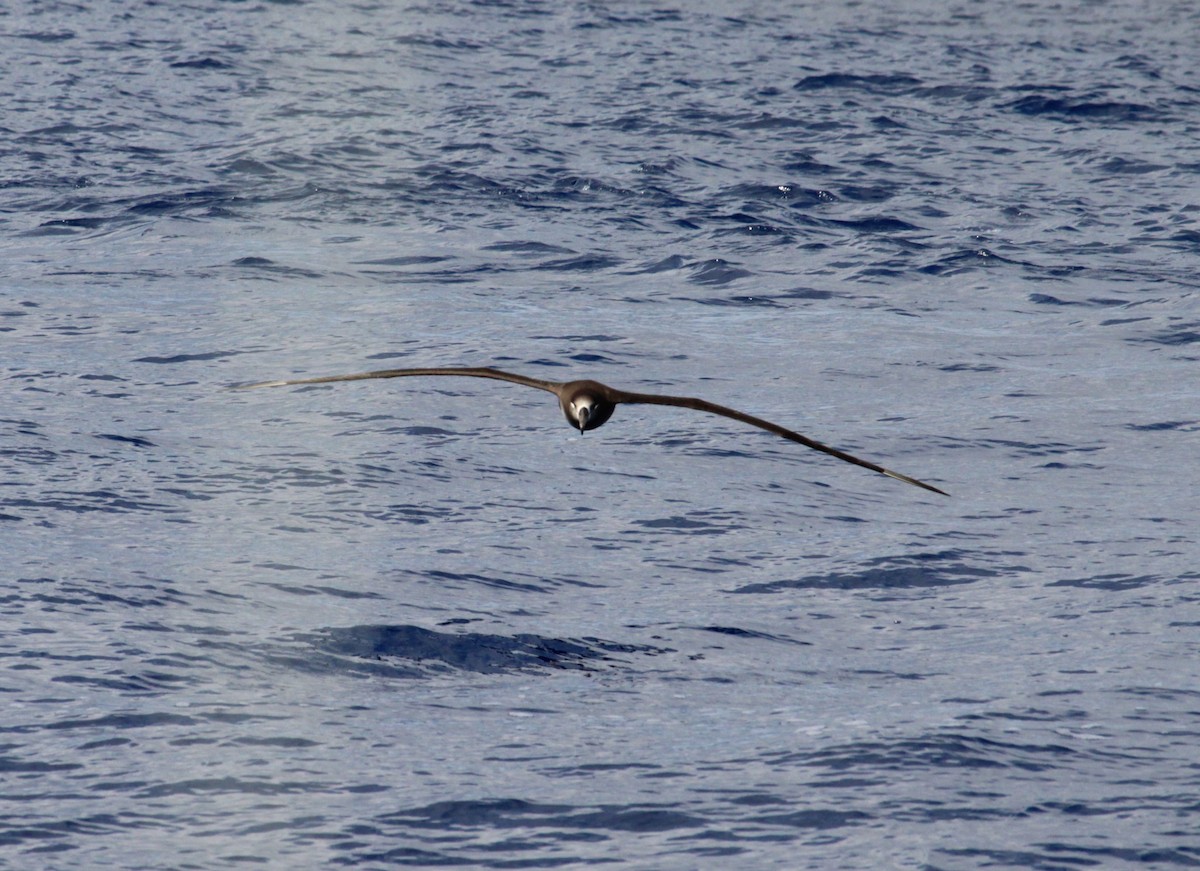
{"x": 589, "y": 404}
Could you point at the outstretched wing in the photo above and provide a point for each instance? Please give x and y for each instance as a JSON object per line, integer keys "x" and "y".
{"x": 550, "y": 386}
{"x": 713, "y": 408}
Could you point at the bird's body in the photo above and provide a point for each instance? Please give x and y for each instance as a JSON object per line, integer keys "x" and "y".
{"x": 589, "y": 404}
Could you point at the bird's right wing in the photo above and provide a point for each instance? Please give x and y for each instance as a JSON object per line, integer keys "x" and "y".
{"x": 465, "y": 372}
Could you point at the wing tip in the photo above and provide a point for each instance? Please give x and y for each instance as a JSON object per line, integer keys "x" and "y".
{"x": 907, "y": 480}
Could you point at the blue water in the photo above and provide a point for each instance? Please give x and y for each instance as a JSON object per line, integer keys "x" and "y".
{"x": 415, "y": 623}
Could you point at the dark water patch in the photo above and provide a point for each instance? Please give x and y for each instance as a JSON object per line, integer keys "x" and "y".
{"x": 963, "y": 261}
{"x": 969, "y": 367}
{"x": 189, "y": 358}
{"x": 105, "y": 723}
{"x": 418, "y": 515}
{"x": 294, "y": 474}
{"x": 613, "y": 473}
{"x": 1116, "y": 582}
{"x": 592, "y": 358}
{"x": 323, "y": 590}
{"x": 1122, "y": 166}
{"x": 810, "y": 819}
{"x": 1032, "y": 715}
{"x": 769, "y": 121}
{"x": 591, "y": 768}
{"x": 442, "y": 181}
{"x": 266, "y": 265}
{"x": 11, "y": 765}
{"x": 966, "y": 93}
{"x": 540, "y": 361}
{"x": 33, "y": 455}
{"x": 510, "y": 813}
{"x": 64, "y": 225}
{"x": 1183, "y": 695}
{"x": 60, "y": 836}
{"x": 1039, "y": 449}
{"x": 787, "y": 194}
{"x": 468, "y": 578}
{"x": 1186, "y": 238}
{"x": 1094, "y": 302}
{"x": 1059, "y": 856}
{"x": 1185, "y": 425}
{"x": 419, "y": 260}
{"x": 209, "y": 202}
{"x": 915, "y": 813}
{"x": 117, "y": 681}
{"x": 1084, "y": 109}
{"x": 1184, "y": 334}
{"x": 130, "y": 440}
{"x": 541, "y": 834}
{"x": 736, "y": 632}
{"x": 756, "y": 799}
{"x": 754, "y": 225}
{"x": 288, "y": 743}
{"x": 485, "y": 147}
{"x": 947, "y": 750}
{"x": 805, "y": 293}
{"x": 693, "y": 523}
{"x": 733, "y": 301}
{"x": 807, "y": 163}
{"x": 17, "y": 314}
{"x": 582, "y": 263}
{"x": 858, "y": 193}
{"x": 248, "y": 166}
{"x": 874, "y": 224}
{"x": 866, "y": 83}
{"x": 254, "y": 786}
{"x": 696, "y": 446}
{"x": 86, "y": 501}
{"x": 427, "y": 431}
{"x": 572, "y": 185}
{"x": 93, "y": 594}
{"x": 393, "y": 355}
{"x": 885, "y": 574}
{"x": 716, "y": 272}
{"x": 591, "y": 337}
{"x": 47, "y": 36}
{"x": 412, "y": 651}
{"x": 202, "y": 63}
{"x": 671, "y": 263}
{"x": 422, "y": 40}
{"x": 530, "y": 248}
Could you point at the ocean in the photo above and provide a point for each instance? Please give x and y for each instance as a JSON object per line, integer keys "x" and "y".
{"x": 423, "y": 622}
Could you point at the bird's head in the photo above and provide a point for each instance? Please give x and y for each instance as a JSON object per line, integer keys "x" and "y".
{"x": 586, "y": 404}
{"x": 582, "y": 411}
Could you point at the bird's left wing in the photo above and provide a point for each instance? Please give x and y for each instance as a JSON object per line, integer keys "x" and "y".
{"x": 713, "y": 408}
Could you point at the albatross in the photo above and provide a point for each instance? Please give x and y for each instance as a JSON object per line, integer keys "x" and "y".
{"x": 589, "y": 404}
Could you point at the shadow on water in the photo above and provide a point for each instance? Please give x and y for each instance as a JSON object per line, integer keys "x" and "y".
{"x": 432, "y": 832}
{"x": 915, "y": 571}
{"x": 414, "y": 652}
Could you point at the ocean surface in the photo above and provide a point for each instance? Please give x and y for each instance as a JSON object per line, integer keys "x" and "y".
{"x": 424, "y": 623}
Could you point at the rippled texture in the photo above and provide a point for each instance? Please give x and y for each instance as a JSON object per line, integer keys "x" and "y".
{"x": 424, "y": 623}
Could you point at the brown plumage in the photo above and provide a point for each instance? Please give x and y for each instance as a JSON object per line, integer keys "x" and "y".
{"x": 589, "y": 404}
